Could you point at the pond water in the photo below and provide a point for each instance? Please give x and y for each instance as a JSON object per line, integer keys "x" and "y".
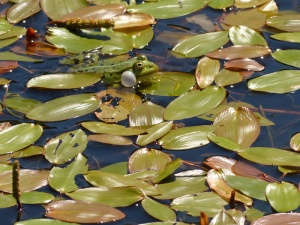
{"x": 282, "y": 109}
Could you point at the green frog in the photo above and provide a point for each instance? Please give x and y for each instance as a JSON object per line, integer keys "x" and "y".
{"x": 112, "y": 68}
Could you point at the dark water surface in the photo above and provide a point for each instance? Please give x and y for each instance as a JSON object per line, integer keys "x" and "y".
{"x": 282, "y": 109}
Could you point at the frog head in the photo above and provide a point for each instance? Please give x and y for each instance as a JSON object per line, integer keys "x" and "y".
{"x": 142, "y": 66}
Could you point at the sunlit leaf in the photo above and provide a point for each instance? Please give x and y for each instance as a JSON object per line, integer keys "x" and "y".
{"x": 242, "y": 35}
{"x": 249, "y": 4}
{"x": 206, "y": 71}
{"x": 168, "y": 8}
{"x": 181, "y": 186}
{"x": 141, "y": 36}
{"x": 220, "y": 4}
{"x": 252, "y": 214}
{"x": 287, "y": 36}
{"x": 278, "y": 219}
{"x": 146, "y": 114}
{"x": 21, "y": 11}
{"x": 224, "y": 142}
{"x": 201, "y": 44}
{"x": 31, "y": 151}
{"x": 289, "y": 22}
{"x": 154, "y": 133}
{"x": 222, "y": 218}
{"x": 19, "y": 136}
{"x": 82, "y": 212}
{"x": 29, "y": 180}
{"x": 57, "y": 9}
{"x": 5, "y": 26}
{"x": 64, "y": 81}
{"x": 130, "y": 20}
{"x": 158, "y": 210}
{"x": 295, "y": 142}
{"x": 271, "y": 156}
{"x": 237, "y": 215}
{"x": 186, "y": 137}
{"x": 170, "y": 169}
{"x": 227, "y": 77}
{"x": 117, "y": 168}
{"x": 219, "y": 162}
{"x": 7, "y": 200}
{"x": 63, "y": 179}
{"x": 116, "y": 196}
{"x": 145, "y": 159}
{"x": 20, "y": 104}
{"x": 10, "y": 56}
{"x": 194, "y": 103}
{"x": 243, "y": 64}
{"x": 64, "y": 108}
{"x": 36, "y": 197}
{"x": 207, "y": 202}
{"x": 278, "y": 82}
{"x": 43, "y": 222}
{"x": 66, "y": 146}
{"x": 288, "y": 57}
{"x": 277, "y": 193}
{"x": 239, "y": 125}
{"x": 111, "y": 113}
{"x": 110, "y": 139}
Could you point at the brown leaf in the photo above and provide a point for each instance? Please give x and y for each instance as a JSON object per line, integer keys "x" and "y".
{"x": 6, "y": 66}
{"x": 243, "y": 64}
{"x": 279, "y": 219}
{"x": 133, "y": 20}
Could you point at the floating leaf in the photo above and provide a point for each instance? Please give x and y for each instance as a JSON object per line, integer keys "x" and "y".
{"x": 30, "y": 151}
{"x": 158, "y": 210}
{"x": 277, "y": 193}
{"x": 194, "y": 103}
{"x": 206, "y": 71}
{"x": 289, "y": 23}
{"x": 278, "y": 219}
{"x": 249, "y": 4}
{"x": 243, "y": 64}
{"x": 186, "y": 137}
{"x": 20, "y": 104}
{"x": 278, "y": 82}
{"x": 110, "y": 113}
{"x": 130, "y": 20}
{"x": 224, "y": 142}
{"x": 170, "y": 168}
{"x": 168, "y": 8}
{"x": 115, "y": 197}
{"x": 29, "y": 180}
{"x": 7, "y": 200}
{"x": 146, "y": 114}
{"x": 7, "y": 66}
{"x": 110, "y": 139}
{"x": 64, "y": 81}
{"x": 252, "y": 214}
{"x": 291, "y": 37}
{"x": 288, "y": 57}
{"x": 145, "y": 159}
{"x": 154, "y": 133}
{"x": 295, "y": 142}
{"x": 5, "y": 26}
{"x": 64, "y": 108}
{"x": 36, "y": 197}
{"x": 271, "y": 156}
{"x": 207, "y": 202}
{"x": 201, "y": 44}
{"x": 239, "y": 125}
{"x": 19, "y": 136}
{"x": 63, "y": 179}
{"x": 56, "y": 9}
{"x": 242, "y": 35}
{"x": 217, "y": 4}
{"x": 66, "y": 146}
{"x": 43, "y": 222}
{"x": 227, "y": 77}
{"x": 10, "y": 56}
{"x": 21, "y": 11}
{"x": 82, "y": 212}
{"x": 222, "y": 218}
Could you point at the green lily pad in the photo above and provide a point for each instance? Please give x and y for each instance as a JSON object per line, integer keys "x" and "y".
{"x": 5, "y": 26}
{"x": 43, "y": 222}
{"x": 66, "y": 146}
{"x": 64, "y": 81}
{"x": 289, "y": 23}
{"x": 10, "y": 56}
{"x": 19, "y": 136}
{"x": 217, "y": 4}
{"x": 36, "y": 197}
{"x": 170, "y": 168}
{"x": 291, "y": 37}
{"x": 63, "y": 179}
{"x": 168, "y": 8}
{"x": 206, "y": 71}
{"x": 115, "y": 196}
{"x": 227, "y": 77}
{"x": 7, "y": 200}
{"x": 277, "y": 193}
{"x": 224, "y": 142}
{"x": 21, "y": 11}
{"x": 194, "y": 103}
{"x": 20, "y": 104}
{"x": 278, "y": 82}
{"x": 201, "y": 44}
{"x": 252, "y": 214}
{"x": 110, "y": 139}
{"x": 249, "y": 4}
{"x": 223, "y": 218}
{"x": 288, "y": 57}
{"x": 65, "y": 108}
{"x": 158, "y": 210}
{"x": 31, "y": 151}
{"x": 242, "y": 35}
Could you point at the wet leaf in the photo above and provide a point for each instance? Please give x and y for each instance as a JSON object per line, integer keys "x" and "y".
{"x": 219, "y": 162}
{"x": 36, "y": 197}
{"x": 227, "y": 77}
{"x": 82, "y": 212}
{"x": 239, "y": 125}
{"x": 277, "y": 193}
{"x": 146, "y": 114}
{"x": 224, "y": 142}
{"x": 114, "y": 129}
{"x": 291, "y": 37}
{"x": 20, "y": 104}
{"x": 64, "y": 108}
{"x": 288, "y": 57}
{"x": 21, "y": 11}
{"x": 222, "y": 218}
{"x": 5, "y": 26}
{"x": 207, "y": 202}
{"x": 43, "y": 222}
{"x": 29, "y": 180}
{"x": 115, "y": 196}
{"x": 181, "y": 186}
{"x": 217, "y": 4}
{"x": 289, "y": 22}
{"x": 206, "y": 71}
{"x": 242, "y": 35}
{"x": 66, "y": 146}
{"x": 249, "y": 4}
{"x": 145, "y": 159}
{"x": 19, "y": 136}
{"x": 237, "y": 215}
{"x": 7, "y": 66}
{"x": 252, "y": 214}
{"x": 110, "y": 139}
{"x": 64, "y": 81}
{"x": 57, "y": 9}
{"x": 31, "y": 151}
{"x": 158, "y": 210}
{"x": 117, "y": 168}
{"x": 63, "y": 179}
{"x": 201, "y": 44}
{"x": 186, "y": 137}
{"x": 295, "y": 142}
{"x": 278, "y": 219}
{"x": 166, "y": 83}
{"x": 154, "y": 133}
{"x": 168, "y": 8}
{"x": 10, "y": 56}
{"x": 110, "y": 113}
{"x": 194, "y": 103}
{"x": 7, "y": 200}
{"x": 130, "y": 20}
{"x": 243, "y": 64}
{"x": 278, "y": 82}
{"x": 271, "y": 156}
{"x": 170, "y": 169}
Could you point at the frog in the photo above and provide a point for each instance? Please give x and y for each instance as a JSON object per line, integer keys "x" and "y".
{"x": 112, "y": 68}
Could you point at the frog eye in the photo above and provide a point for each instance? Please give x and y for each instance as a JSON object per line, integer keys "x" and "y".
{"x": 139, "y": 65}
